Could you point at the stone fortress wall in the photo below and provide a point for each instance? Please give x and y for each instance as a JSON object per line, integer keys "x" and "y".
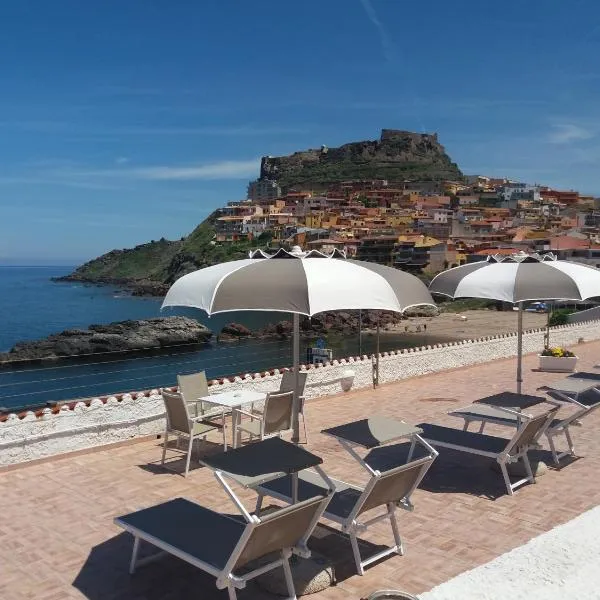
{"x": 100, "y": 421}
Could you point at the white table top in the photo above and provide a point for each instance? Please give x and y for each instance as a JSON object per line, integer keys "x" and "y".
{"x": 234, "y": 398}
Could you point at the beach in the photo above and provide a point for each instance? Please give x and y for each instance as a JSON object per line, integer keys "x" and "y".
{"x": 469, "y": 324}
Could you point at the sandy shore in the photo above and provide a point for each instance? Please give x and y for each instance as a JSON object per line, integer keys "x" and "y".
{"x": 467, "y": 325}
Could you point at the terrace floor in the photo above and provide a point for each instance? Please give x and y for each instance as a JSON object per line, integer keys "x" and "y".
{"x": 58, "y": 540}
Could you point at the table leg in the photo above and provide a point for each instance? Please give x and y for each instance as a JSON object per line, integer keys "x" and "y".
{"x": 235, "y": 415}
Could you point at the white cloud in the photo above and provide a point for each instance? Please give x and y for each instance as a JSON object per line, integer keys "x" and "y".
{"x": 565, "y": 133}
{"x": 387, "y": 45}
{"x": 228, "y": 169}
{"x": 121, "y": 160}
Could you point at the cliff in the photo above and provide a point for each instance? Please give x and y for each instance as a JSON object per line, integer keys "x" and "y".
{"x": 396, "y": 156}
{"x": 150, "y": 269}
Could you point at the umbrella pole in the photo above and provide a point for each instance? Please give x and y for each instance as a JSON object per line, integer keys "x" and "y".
{"x": 296, "y": 358}
{"x": 520, "y": 349}
{"x": 376, "y": 373}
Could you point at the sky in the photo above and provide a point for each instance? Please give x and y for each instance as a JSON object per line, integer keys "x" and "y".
{"x": 127, "y": 121}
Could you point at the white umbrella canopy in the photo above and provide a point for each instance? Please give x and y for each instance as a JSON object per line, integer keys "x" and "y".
{"x": 517, "y": 279}
{"x": 297, "y": 283}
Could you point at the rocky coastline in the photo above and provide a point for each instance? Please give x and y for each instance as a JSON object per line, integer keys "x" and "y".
{"x": 119, "y": 337}
{"x": 335, "y": 323}
{"x": 135, "y": 287}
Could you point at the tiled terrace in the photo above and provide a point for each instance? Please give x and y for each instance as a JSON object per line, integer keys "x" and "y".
{"x": 57, "y": 538}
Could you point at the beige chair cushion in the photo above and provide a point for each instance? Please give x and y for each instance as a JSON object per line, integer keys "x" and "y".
{"x": 251, "y": 426}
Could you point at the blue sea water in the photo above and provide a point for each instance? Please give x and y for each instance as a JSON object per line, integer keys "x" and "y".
{"x": 32, "y": 306}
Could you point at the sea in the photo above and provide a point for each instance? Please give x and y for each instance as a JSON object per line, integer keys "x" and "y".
{"x": 33, "y": 306}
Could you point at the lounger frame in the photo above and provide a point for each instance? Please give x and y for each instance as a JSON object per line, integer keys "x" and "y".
{"x": 555, "y": 427}
{"x": 226, "y": 578}
{"x": 351, "y": 524}
{"x": 516, "y": 448}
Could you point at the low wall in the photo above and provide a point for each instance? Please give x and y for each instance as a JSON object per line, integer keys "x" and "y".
{"x": 99, "y": 421}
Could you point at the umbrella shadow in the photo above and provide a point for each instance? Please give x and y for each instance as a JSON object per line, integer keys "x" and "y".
{"x": 176, "y": 457}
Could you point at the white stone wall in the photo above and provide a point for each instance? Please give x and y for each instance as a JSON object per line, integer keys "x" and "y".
{"x": 103, "y": 421}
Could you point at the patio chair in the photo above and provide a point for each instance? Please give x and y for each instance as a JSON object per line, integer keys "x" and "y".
{"x": 288, "y": 382}
{"x": 182, "y": 424}
{"x": 221, "y": 544}
{"x": 194, "y": 386}
{"x": 389, "y": 490}
{"x": 504, "y": 451}
{"x": 275, "y": 419}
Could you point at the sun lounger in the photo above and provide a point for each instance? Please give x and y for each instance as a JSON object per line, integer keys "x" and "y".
{"x": 556, "y": 427}
{"x": 222, "y": 544}
{"x": 389, "y": 489}
{"x": 504, "y": 451}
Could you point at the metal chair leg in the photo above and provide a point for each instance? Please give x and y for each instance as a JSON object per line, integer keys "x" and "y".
{"x": 570, "y": 441}
{"x": 397, "y": 539}
{"x": 555, "y": 457}
{"x": 164, "y": 452}
{"x": 304, "y": 425}
{"x": 356, "y": 552}
{"x": 506, "y": 478}
{"x": 528, "y": 468}
{"x": 189, "y": 456}
{"x": 289, "y": 581}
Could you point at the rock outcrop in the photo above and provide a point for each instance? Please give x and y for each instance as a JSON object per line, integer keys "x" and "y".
{"x": 232, "y": 332}
{"x": 396, "y": 156}
{"x": 123, "y": 336}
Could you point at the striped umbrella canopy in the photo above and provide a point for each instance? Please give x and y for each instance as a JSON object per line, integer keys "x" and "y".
{"x": 519, "y": 278}
{"x": 304, "y": 286}
{"x": 299, "y": 283}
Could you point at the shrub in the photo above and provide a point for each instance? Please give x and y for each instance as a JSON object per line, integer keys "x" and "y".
{"x": 559, "y": 317}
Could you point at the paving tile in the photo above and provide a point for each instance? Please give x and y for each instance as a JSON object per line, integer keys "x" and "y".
{"x": 58, "y": 540}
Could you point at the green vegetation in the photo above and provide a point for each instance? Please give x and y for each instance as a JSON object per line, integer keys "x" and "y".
{"x": 147, "y": 261}
{"x": 455, "y": 306}
{"x": 559, "y": 316}
{"x": 162, "y": 262}
{"x": 397, "y": 156}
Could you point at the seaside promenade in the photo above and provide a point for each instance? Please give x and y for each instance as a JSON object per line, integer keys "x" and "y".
{"x": 58, "y": 540}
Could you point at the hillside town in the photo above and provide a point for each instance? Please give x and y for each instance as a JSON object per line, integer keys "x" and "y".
{"x": 418, "y": 225}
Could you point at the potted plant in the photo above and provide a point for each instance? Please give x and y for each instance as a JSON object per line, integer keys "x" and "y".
{"x": 557, "y": 359}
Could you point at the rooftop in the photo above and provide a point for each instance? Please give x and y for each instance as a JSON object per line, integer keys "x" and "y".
{"x": 58, "y": 539}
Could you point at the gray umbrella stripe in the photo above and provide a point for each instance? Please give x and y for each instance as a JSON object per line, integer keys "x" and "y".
{"x": 278, "y": 285}
{"x": 404, "y": 285}
{"x": 446, "y": 283}
{"x": 541, "y": 281}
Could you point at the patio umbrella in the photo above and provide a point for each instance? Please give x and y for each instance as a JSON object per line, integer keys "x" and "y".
{"x": 298, "y": 283}
{"x": 517, "y": 279}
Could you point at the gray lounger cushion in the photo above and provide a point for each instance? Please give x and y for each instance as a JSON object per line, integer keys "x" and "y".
{"x": 200, "y": 532}
{"x": 310, "y": 484}
{"x": 466, "y": 439}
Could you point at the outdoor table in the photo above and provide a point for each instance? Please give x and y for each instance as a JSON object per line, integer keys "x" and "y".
{"x": 260, "y": 462}
{"x": 233, "y": 400}
{"x": 374, "y": 432}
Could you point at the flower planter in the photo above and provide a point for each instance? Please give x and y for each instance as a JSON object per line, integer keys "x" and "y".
{"x": 558, "y": 364}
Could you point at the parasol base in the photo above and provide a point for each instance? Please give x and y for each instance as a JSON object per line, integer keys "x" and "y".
{"x": 310, "y": 575}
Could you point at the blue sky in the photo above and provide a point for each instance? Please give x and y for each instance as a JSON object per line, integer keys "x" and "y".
{"x": 124, "y": 121}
